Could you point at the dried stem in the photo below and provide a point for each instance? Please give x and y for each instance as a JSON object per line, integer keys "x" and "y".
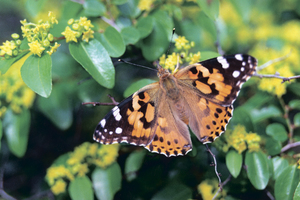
{"x": 215, "y": 165}
{"x": 114, "y": 102}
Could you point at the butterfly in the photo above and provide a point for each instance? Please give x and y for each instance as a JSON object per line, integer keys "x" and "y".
{"x": 198, "y": 96}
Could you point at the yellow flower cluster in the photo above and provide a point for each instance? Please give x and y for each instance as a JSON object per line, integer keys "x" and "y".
{"x": 14, "y": 94}
{"x": 38, "y": 36}
{"x": 81, "y": 27}
{"x": 240, "y": 140}
{"x": 208, "y": 188}
{"x": 10, "y": 48}
{"x": 145, "y": 5}
{"x": 182, "y": 48}
{"x": 272, "y": 41}
{"x": 78, "y": 163}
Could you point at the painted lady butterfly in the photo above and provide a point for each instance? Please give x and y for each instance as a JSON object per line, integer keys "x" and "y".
{"x": 199, "y": 95}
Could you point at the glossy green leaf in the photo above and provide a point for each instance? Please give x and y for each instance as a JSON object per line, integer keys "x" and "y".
{"x": 136, "y": 86}
{"x": 133, "y": 164}
{"x": 130, "y": 35}
{"x": 297, "y": 192}
{"x": 210, "y": 8}
{"x": 145, "y": 26}
{"x": 205, "y": 55}
{"x": 279, "y": 164}
{"x": 294, "y": 87}
{"x": 196, "y": 35}
{"x": 234, "y": 162}
{"x": 273, "y": 146}
{"x": 242, "y": 117}
{"x": 95, "y": 60}
{"x": 173, "y": 191}
{"x": 118, "y": 2}
{"x": 130, "y": 9}
{"x": 259, "y": 115}
{"x": 58, "y": 107}
{"x": 207, "y": 24}
{"x": 94, "y": 8}
{"x": 123, "y": 22}
{"x": 297, "y": 120}
{"x": 16, "y": 130}
{"x": 5, "y": 64}
{"x": 81, "y": 188}
{"x": 155, "y": 44}
{"x": 36, "y": 72}
{"x": 277, "y": 131}
{"x": 34, "y": 7}
{"x": 107, "y": 181}
{"x": 162, "y": 17}
{"x": 257, "y": 169}
{"x": 295, "y": 104}
{"x": 112, "y": 41}
{"x": 286, "y": 183}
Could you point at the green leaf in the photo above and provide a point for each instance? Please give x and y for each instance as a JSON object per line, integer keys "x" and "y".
{"x": 279, "y": 164}
{"x": 243, "y": 8}
{"x": 58, "y": 107}
{"x": 173, "y": 191}
{"x": 145, "y": 26}
{"x": 277, "y": 131}
{"x": 242, "y": 117}
{"x": 297, "y": 120}
{"x": 119, "y": 2}
{"x": 130, "y": 35}
{"x": 95, "y": 60}
{"x": 133, "y": 164}
{"x": 234, "y": 162}
{"x": 286, "y": 183}
{"x": 94, "y": 8}
{"x": 7, "y": 63}
{"x": 34, "y": 7}
{"x": 207, "y": 24}
{"x": 16, "y": 130}
{"x": 81, "y": 188}
{"x": 295, "y": 104}
{"x": 37, "y": 74}
{"x": 107, "y": 181}
{"x": 294, "y": 87}
{"x": 257, "y": 169}
{"x": 1, "y": 132}
{"x": 112, "y": 41}
{"x": 136, "y": 86}
{"x": 297, "y": 193}
{"x": 130, "y": 9}
{"x": 161, "y": 17}
{"x": 155, "y": 44}
{"x": 205, "y": 55}
{"x": 273, "y": 146}
{"x": 210, "y": 8}
{"x": 259, "y": 115}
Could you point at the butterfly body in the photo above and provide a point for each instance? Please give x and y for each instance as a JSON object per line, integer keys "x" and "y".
{"x": 199, "y": 95}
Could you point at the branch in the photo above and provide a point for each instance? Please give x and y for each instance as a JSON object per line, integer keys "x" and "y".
{"x": 215, "y": 164}
{"x": 276, "y": 75}
{"x": 111, "y": 22}
{"x": 270, "y": 62}
{"x": 114, "y": 102}
{"x": 218, "y": 42}
{"x": 290, "y": 146}
{"x": 222, "y": 184}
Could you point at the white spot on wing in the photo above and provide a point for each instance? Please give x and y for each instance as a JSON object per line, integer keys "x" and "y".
{"x": 103, "y": 122}
{"x": 242, "y": 69}
{"x": 239, "y": 57}
{"x": 223, "y": 62}
{"x": 118, "y": 130}
{"x": 116, "y": 113}
{"x": 235, "y": 74}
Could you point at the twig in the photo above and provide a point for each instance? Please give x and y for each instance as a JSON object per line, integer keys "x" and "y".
{"x": 215, "y": 164}
{"x": 218, "y": 41}
{"x": 114, "y": 102}
{"x": 270, "y": 62}
{"x": 289, "y": 146}
{"x": 222, "y": 184}
{"x": 111, "y": 22}
{"x": 284, "y": 79}
{"x": 269, "y": 195}
{"x": 42, "y": 194}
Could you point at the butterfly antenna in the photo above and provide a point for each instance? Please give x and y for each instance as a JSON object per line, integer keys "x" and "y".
{"x": 120, "y": 60}
{"x": 173, "y": 31}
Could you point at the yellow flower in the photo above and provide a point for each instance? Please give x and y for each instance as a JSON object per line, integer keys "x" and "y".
{"x": 7, "y": 47}
{"x": 145, "y": 5}
{"x": 172, "y": 61}
{"x": 59, "y": 187}
{"x": 53, "y": 49}
{"x": 57, "y": 172}
{"x": 208, "y": 188}
{"x": 87, "y": 35}
{"x": 195, "y": 58}
{"x": 181, "y": 42}
{"x": 36, "y": 48}
{"x": 69, "y": 34}
{"x": 85, "y": 23}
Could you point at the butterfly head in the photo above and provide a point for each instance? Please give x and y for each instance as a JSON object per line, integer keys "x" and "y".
{"x": 162, "y": 73}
